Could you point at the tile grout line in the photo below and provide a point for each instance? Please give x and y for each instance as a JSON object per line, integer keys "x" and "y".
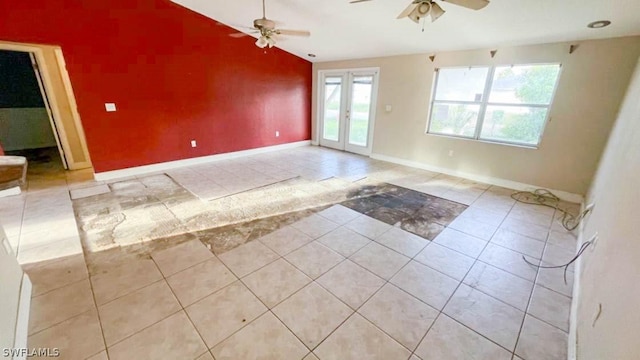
{"x": 95, "y": 304}
{"x": 182, "y": 307}
{"x": 534, "y": 287}
{"x": 314, "y": 280}
{"x": 453, "y": 293}
{"x": 59, "y": 322}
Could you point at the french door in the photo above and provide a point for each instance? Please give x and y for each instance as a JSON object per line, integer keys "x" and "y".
{"x": 347, "y": 109}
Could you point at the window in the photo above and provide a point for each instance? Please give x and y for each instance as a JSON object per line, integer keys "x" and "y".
{"x": 506, "y": 104}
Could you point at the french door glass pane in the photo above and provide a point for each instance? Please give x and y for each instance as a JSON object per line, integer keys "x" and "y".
{"x": 332, "y": 97}
{"x": 524, "y": 84}
{"x": 454, "y": 119}
{"x": 461, "y": 84}
{"x": 516, "y": 124}
{"x": 361, "y": 91}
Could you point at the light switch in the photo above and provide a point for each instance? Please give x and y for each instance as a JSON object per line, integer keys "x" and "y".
{"x": 277, "y": 133}
{"x": 110, "y": 107}
{"x": 193, "y": 143}
{"x": 388, "y": 108}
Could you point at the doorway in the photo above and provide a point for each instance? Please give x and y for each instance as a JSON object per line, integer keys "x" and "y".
{"x": 27, "y": 126}
{"x": 347, "y": 109}
{"x": 62, "y": 112}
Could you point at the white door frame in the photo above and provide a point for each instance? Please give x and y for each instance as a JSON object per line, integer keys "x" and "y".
{"x": 347, "y": 75}
{"x": 338, "y": 145}
{"x": 47, "y": 83}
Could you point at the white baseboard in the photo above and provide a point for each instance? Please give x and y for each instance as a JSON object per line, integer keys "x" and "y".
{"x": 572, "y": 340}
{"x": 139, "y": 170}
{"x": 567, "y": 196}
{"x": 22, "y": 323}
{"x": 10, "y": 192}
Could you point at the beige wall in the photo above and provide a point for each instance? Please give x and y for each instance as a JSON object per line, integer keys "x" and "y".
{"x": 593, "y": 81}
{"x": 610, "y": 273}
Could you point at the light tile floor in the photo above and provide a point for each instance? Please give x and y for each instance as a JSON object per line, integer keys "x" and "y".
{"x": 335, "y": 285}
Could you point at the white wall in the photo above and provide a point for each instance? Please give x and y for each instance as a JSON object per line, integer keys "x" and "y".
{"x": 25, "y": 128}
{"x": 11, "y": 282}
{"x": 592, "y": 84}
{"x": 609, "y": 275}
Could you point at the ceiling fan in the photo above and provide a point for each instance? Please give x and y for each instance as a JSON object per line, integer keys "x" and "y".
{"x": 267, "y": 30}
{"x": 419, "y": 9}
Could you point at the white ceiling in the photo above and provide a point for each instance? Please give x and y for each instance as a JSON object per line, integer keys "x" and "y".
{"x": 340, "y": 30}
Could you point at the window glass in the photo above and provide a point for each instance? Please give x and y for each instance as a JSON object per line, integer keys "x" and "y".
{"x": 528, "y": 84}
{"x": 461, "y": 84}
{"x": 454, "y": 119}
{"x": 514, "y": 124}
{"x": 514, "y": 111}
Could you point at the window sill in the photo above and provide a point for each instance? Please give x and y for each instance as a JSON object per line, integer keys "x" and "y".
{"x": 522, "y": 146}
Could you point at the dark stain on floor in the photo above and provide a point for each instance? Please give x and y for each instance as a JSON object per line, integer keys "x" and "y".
{"x": 422, "y": 214}
{"x": 416, "y": 212}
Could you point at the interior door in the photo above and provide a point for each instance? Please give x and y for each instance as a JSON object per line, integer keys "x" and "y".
{"x": 56, "y": 135}
{"x": 347, "y": 110}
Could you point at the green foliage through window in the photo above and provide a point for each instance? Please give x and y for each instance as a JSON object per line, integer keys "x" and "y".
{"x": 515, "y": 108}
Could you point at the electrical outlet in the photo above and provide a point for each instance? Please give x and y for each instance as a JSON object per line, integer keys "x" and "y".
{"x": 450, "y": 152}
{"x": 193, "y": 143}
{"x": 110, "y": 107}
{"x": 277, "y": 133}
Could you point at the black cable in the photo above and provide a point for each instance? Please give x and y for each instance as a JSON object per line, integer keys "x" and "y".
{"x": 543, "y": 197}
{"x": 583, "y": 247}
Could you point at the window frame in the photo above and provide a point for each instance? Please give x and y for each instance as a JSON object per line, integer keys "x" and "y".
{"x": 484, "y": 103}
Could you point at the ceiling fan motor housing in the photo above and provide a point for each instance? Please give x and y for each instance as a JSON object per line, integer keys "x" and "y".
{"x": 264, "y": 24}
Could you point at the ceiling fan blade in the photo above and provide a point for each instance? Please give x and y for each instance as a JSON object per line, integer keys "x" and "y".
{"x": 408, "y": 10}
{"x": 469, "y": 4}
{"x": 358, "y": 1}
{"x": 238, "y": 35}
{"x": 293, "y": 32}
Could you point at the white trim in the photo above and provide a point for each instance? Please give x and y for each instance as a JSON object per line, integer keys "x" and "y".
{"x": 10, "y": 192}
{"x": 346, "y": 74}
{"x": 139, "y": 170}
{"x": 22, "y": 323}
{"x": 572, "y": 340}
{"x": 567, "y": 196}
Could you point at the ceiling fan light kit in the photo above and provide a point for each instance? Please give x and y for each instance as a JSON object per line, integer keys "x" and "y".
{"x": 267, "y": 30}
{"x": 419, "y": 9}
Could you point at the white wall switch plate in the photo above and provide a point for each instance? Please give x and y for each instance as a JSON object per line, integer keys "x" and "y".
{"x": 388, "y": 108}
{"x": 110, "y": 107}
{"x": 277, "y": 133}
{"x": 193, "y": 143}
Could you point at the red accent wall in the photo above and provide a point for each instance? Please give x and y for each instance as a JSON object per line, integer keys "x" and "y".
{"x": 174, "y": 75}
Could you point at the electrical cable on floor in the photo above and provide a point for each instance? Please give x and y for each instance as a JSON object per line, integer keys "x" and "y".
{"x": 546, "y": 198}
{"x": 583, "y": 247}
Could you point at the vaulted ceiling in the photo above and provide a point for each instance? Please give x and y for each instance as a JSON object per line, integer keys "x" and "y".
{"x": 340, "y": 30}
